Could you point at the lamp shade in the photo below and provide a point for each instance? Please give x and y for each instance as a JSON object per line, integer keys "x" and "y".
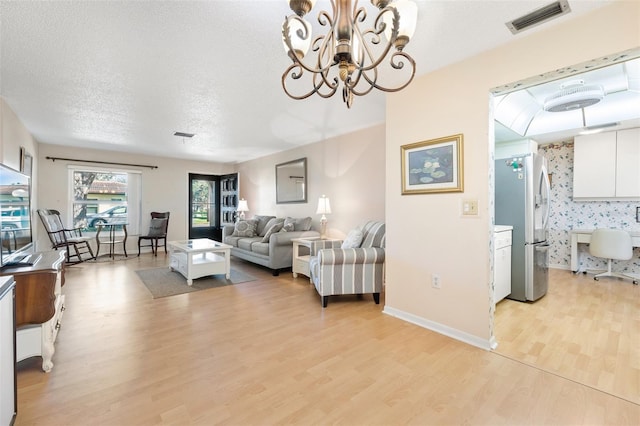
{"x": 408, "y": 12}
{"x": 243, "y": 206}
{"x": 324, "y": 206}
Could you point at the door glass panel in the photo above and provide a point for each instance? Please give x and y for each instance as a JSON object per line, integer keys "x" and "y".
{"x": 202, "y": 203}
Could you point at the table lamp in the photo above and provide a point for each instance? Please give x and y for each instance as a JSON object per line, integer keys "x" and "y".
{"x": 242, "y": 207}
{"x": 324, "y": 207}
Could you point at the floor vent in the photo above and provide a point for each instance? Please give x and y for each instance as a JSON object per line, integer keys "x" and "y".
{"x": 539, "y": 16}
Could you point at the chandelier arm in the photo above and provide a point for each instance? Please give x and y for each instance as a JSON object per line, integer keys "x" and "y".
{"x": 332, "y": 86}
{"x": 320, "y": 44}
{"x": 316, "y": 87}
{"x": 398, "y": 65}
{"x": 380, "y": 25}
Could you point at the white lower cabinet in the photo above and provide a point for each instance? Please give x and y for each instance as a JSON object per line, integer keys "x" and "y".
{"x": 502, "y": 263}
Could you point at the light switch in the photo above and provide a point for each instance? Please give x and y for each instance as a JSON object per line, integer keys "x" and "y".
{"x": 470, "y": 207}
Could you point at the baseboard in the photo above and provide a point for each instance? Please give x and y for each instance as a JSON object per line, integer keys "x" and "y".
{"x": 441, "y": 329}
{"x": 563, "y": 267}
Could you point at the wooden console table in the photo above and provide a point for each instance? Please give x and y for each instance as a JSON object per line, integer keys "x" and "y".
{"x": 39, "y": 306}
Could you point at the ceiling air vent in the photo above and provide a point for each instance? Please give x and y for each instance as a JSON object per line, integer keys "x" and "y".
{"x": 184, "y": 134}
{"x": 539, "y": 16}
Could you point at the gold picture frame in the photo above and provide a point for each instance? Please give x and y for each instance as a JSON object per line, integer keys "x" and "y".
{"x": 433, "y": 166}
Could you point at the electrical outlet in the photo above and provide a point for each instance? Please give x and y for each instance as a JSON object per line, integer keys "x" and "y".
{"x": 435, "y": 281}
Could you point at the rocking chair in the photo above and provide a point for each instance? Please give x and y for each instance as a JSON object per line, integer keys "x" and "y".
{"x": 71, "y": 240}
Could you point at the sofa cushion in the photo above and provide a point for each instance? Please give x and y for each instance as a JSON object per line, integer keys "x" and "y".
{"x": 232, "y": 241}
{"x": 260, "y": 248}
{"x": 262, "y": 223}
{"x": 299, "y": 223}
{"x": 353, "y": 239}
{"x": 276, "y": 227}
{"x": 245, "y": 243}
{"x": 245, "y": 228}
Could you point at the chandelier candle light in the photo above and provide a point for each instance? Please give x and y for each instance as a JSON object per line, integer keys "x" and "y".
{"x": 324, "y": 207}
{"x": 242, "y": 207}
{"x": 356, "y": 54}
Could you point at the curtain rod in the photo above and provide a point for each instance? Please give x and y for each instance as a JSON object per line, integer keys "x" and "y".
{"x": 100, "y": 162}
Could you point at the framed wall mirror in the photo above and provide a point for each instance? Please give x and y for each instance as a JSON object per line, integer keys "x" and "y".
{"x": 291, "y": 182}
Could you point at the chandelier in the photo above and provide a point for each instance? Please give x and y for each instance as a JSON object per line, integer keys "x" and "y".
{"x": 346, "y": 53}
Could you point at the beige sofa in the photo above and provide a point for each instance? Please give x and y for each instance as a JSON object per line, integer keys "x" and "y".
{"x": 266, "y": 240}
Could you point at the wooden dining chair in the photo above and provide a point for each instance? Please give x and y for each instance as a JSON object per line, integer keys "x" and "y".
{"x": 157, "y": 231}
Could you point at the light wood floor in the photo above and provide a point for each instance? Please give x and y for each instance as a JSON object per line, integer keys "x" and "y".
{"x": 585, "y": 330}
{"x": 265, "y": 352}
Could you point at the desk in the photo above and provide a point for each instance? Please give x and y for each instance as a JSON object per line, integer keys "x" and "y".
{"x": 113, "y": 237}
{"x": 583, "y": 236}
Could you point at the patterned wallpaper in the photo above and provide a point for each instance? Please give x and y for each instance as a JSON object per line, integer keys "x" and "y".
{"x": 566, "y": 215}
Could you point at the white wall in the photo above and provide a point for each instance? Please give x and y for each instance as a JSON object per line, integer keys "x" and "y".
{"x": 426, "y": 233}
{"x": 163, "y": 189}
{"x": 13, "y": 136}
{"x": 348, "y": 169}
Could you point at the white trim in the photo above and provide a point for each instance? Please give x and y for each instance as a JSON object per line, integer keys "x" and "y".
{"x": 442, "y": 329}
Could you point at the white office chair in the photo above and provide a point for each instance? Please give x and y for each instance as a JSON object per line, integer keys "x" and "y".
{"x": 611, "y": 244}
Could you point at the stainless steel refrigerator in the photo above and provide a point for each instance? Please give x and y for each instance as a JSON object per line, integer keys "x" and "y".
{"x": 522, "y": 201}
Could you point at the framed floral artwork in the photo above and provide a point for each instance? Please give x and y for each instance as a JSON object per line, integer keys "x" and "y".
{"x": 433, "y": 166}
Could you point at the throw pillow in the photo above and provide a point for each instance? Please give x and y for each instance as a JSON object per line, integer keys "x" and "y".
{"x": 299, "y": 224}
{"x": 276, "y": 227}
{"x": 261, "y": 223}
{"x": 245, "y": 228}
{"x": 288, "y": 226}
{"x": 353, "y": 239}
{"x": 156, "y": 228}
{"x": 270, "y": 223}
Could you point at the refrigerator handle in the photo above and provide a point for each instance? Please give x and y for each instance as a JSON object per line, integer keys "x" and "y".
{"x": 547, "y": 185}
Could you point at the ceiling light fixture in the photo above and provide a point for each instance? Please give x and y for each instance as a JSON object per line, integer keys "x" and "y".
{"x": 356, "y": 53}
{"x": 574, "y": 95}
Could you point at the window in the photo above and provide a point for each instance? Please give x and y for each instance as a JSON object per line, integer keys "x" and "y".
{"x": 103, "y": 195}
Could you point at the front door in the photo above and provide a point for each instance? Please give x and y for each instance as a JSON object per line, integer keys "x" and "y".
{"x": 204, "y": 220}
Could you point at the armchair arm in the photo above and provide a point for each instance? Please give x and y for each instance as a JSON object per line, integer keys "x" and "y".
{"x": 227, "y": 230}
{"x": 73, "y": 232}
{"x": 340, "y": 256}
{"x": 323, "y": 244}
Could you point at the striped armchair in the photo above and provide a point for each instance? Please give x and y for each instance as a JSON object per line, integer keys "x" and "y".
{"x": 360, "y": 270}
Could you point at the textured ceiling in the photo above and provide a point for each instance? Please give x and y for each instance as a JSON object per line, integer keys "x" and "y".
{"x": 125, "y": 75}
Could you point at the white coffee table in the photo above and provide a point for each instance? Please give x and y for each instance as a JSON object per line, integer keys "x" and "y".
{"x": 199, "y": 258}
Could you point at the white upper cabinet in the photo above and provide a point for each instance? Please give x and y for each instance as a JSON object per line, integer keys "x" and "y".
{"x": 628, "y": 163}
{"x": 607, "y": 165}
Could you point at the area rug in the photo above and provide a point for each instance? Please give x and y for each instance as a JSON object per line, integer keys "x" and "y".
{"x": 162, "y": 282}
